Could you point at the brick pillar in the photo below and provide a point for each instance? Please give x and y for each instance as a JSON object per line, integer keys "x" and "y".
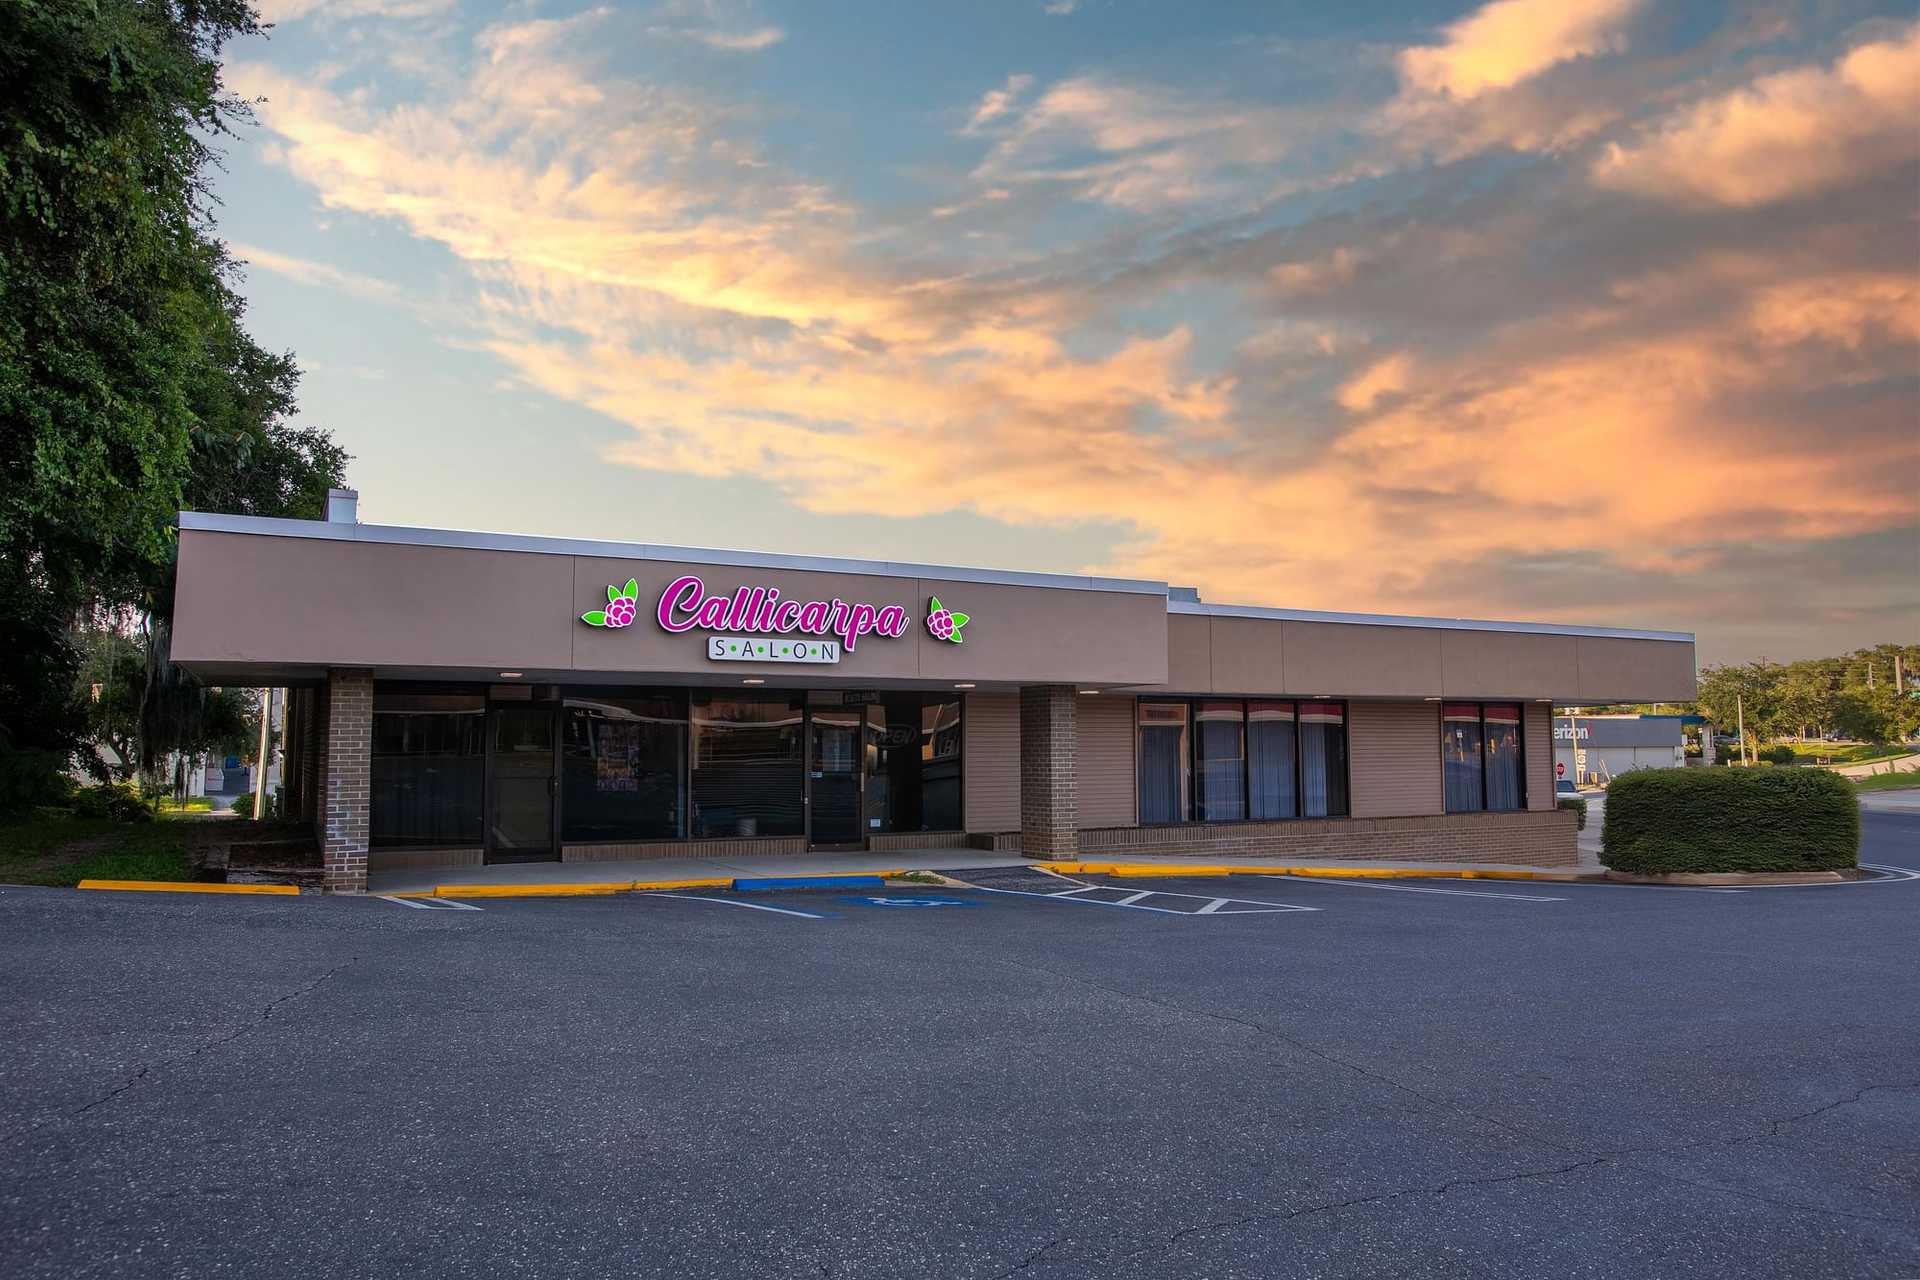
{"x": 349, "y": 743}
{"x": 1049, "y": 743}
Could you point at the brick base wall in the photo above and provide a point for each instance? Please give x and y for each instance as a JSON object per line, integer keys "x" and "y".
{"x": 349, "y": 748}
{"x": 1528, "y": 838}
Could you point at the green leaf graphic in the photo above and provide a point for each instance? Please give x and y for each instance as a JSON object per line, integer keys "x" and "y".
{"x": 959, "y": 620}
{"x": 594, "y": 617}
{"x": 612, "y": 594}
{"x": 632, "y": 591}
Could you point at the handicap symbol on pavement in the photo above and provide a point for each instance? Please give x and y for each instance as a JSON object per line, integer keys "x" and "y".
{"x": 912, "y": 902}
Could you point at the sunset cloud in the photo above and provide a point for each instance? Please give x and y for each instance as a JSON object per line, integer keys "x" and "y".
{"x": 1507, "y": 41}
{"x": 1398, "y": 394}
{"x": 1790, "y": 134}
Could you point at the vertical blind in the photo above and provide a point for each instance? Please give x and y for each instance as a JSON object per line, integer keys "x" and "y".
{"x": 1251, "y": 758}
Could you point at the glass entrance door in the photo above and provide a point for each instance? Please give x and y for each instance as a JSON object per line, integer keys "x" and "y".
{"x": 835, "y": 745}
{"x": 521, "y": 772}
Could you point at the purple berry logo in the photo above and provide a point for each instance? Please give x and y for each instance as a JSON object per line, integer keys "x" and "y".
{"x": 943, "y": 623}
{"x": 620, "y": 607}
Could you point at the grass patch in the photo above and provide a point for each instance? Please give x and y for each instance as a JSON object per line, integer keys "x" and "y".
{"x": 194, "y": 804}
{"x": 1845, "y": 753}
{"x": 1888, "y": 781}
{"x": 63, "y": 851}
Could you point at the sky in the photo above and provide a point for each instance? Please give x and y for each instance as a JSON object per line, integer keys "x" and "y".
{"x": 1591, "y": 311}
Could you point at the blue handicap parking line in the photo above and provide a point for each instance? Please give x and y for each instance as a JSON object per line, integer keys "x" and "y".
{"x": 772, "y": 884}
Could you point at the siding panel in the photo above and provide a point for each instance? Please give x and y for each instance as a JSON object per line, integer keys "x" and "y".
{"x": 992, "y": 764}
{"x": 1395, "y": 750}
{"x": 1536, "y": 741}
{"x": 1104, "y": 776}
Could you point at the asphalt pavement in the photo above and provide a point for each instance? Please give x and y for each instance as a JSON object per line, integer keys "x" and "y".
{"x": 1220, "y": 1077}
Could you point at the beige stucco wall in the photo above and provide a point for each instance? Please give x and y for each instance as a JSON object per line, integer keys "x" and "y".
{"x": 1210, "y": 653}
{"x": 289, "y": 602}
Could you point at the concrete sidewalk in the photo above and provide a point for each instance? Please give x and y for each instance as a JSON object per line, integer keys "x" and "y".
{"x": 827, "y": 864}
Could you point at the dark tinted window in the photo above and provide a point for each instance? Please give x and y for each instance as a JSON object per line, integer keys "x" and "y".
{"x": 746, "y": 765}
{"x": 428, "y": 769}
{"x": 623, "y": 767}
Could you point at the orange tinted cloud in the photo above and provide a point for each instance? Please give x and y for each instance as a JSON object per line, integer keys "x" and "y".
{"x": 1790, "y": 134}
{"x": 1380, "y": 407}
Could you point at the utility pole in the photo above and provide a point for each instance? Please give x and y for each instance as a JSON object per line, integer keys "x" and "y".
{"x": 260, "y": 761}
{"x": 1899, "y": 677}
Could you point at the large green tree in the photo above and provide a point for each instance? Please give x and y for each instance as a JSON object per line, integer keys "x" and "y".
{"x": 129, "y": 387}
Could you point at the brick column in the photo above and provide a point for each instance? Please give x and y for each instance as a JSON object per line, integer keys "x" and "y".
{"x": 349, "y": 743}
{"x": 1049, "y": 743}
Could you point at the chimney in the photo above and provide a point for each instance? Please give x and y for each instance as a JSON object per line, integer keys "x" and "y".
{"x": 343, "y": 506}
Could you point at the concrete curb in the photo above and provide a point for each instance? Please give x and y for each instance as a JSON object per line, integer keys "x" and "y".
{"x": 188, "y": 886}
{"x": 1728, "y": 877}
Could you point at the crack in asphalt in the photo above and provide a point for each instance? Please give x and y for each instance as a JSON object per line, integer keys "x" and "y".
{"x": 1590, "y": 1158}
{"x": 146, "y": 1068}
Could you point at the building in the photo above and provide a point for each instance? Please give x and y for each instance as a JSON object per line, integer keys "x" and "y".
{"x": 1596, "y": 749}
{"x": 460, "y": 698}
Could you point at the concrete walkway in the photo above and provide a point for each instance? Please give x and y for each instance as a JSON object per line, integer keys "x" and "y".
{"x": 819, "y": 864}
{"x": 1905, "y": 800}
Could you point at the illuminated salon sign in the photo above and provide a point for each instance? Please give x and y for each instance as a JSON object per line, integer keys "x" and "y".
{"x": 686, "y": 606}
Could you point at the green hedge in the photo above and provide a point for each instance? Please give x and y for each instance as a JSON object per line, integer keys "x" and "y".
{"x": 1661, "y": 820}
{"x": 1579, "y": 805}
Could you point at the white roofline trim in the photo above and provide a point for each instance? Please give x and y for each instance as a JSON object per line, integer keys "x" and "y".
{"x": 1411, "y": 620}
{"x": 402, "y": 535}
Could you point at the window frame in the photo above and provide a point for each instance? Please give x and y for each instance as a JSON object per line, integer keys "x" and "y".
{"x": 1192, "y": 703}
{"x": 1520, "y": 753}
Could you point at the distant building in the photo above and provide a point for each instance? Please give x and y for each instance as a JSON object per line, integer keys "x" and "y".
{"x": 1593, "y": 749}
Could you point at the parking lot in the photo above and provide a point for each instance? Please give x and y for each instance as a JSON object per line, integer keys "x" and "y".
{"x": 1241, "y": 1076}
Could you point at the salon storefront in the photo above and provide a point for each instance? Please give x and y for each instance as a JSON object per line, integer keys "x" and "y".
{"x": 458, "y": 698}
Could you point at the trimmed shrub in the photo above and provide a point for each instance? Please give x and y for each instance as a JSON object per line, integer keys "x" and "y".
{"x": 1781, "y": 754}
{"x": 1665, "y": 820}
{"x": 118, "y": 801}
{"x": 1579, "y": 805}
{"x": 243, "y": 805}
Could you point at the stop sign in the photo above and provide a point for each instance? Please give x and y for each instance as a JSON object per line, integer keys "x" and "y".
{"x": 1559, "y": 769}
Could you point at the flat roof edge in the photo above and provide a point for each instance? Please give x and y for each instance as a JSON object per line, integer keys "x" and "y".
{"x": 474, "y": 540}
{"x": 1411, "y": 620}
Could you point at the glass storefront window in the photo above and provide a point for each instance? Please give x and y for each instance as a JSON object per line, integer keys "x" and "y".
{"x": 428, "y": 770}
{"x": 1219, "y": 750}
{"x": 1506, "y": 788}
{"x": 1163, "y": 762}
{"x": 913, "y": 763}
{"x": 746, "y": 765}
{"x": 623, "y": 767}
{"x": 1271, "y": 749}
{"x": 1460, "y": 756}
{"x": 1323, "y": 759}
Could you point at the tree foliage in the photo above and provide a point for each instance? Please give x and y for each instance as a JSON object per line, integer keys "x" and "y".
{"x": 129, "y": 387}
{"x": 1854, "y": 696}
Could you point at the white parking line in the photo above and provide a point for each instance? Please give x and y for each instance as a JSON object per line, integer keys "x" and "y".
{"x": 1132, "y": 902}
{"x": 1407, "y": 888}
{"x": 729, "y": 902}
{"x": 428, "y": 904}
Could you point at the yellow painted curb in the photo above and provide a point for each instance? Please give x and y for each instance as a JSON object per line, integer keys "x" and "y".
{"x": 644, "y": 885}
{"x": 1124, "y": 869}
{"x": 528, "y": 890}
{"x": 185, "y": 886}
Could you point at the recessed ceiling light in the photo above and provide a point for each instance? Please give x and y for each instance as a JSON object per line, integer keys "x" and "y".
{"x": 1429, "y": 699}
{"x": 965, "y": 685}
{"x": 753, "y": 680}
{"x": 510, "y": 675}
{"x": 1089, "y": 691}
